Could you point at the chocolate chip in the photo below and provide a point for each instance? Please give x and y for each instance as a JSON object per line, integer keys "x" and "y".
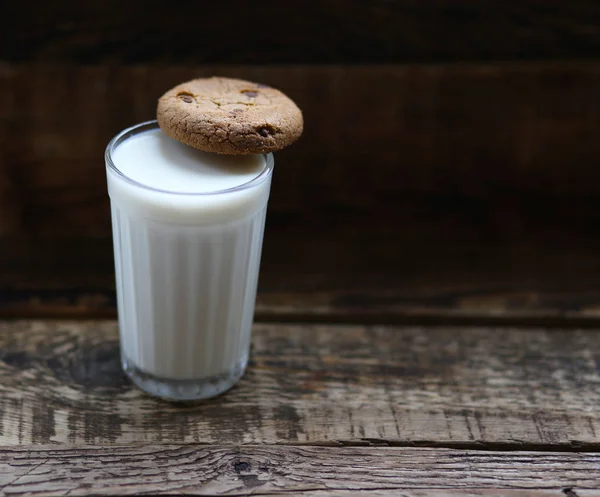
{"x": 264, "y": 131}
{"x": 186, "y": 97}
{"x": 260, "y": 85}
{"x": 236, "y": 112}
{"x": 250, "y": 93}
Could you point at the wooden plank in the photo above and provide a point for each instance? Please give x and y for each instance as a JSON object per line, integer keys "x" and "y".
{"x": 464, "y": 138}
{"x": 60, "y": 382}
{"x": 472, "y": 134}
{"x": 277, "y": 470}
{"x": 315, "y": 32}
{"x": 483, "y": 203}
{"x": 416, "y": 276}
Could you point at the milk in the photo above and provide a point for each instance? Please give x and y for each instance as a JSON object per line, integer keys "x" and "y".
{"x": 187, "y": 229}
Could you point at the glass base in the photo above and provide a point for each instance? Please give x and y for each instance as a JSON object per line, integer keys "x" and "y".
{"x": 183, "y": 390}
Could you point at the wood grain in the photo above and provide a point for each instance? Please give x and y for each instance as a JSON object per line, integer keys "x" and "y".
{"x": 310, "y": 471}
{"x": 465, "y": 138}
{"x": 60, "y": 382}
{"x": 419, "y": 277}
{"x": 333, "y": 31}
{"x": 480, "y": 199}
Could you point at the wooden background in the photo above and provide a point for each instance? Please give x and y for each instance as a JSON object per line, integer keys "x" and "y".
{"x": 431, "y": 256}
{"x": 449, "y": 167}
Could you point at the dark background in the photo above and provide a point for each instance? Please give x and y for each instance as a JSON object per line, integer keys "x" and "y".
{"x": 449, "y": 166}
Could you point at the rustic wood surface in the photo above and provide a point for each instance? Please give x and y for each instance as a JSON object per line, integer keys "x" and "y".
{"x": 331, "y": 31}
{"x": 483, "y": 204}
{"x": 426, "y": 204}
{"x": 417, "y": 277}
{"x": 289, "y": 470}
{"x": 318, "y": 385}
{"x": 468, "y": 138}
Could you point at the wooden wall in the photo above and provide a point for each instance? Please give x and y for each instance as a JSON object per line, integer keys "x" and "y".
{"x": 450, "y": 164}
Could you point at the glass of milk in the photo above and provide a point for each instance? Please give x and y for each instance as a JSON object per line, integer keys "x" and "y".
{"x": 187, "y": 230}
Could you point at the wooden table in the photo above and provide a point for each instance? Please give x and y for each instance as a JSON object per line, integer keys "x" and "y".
{"x": 325, "y": 409}
{"x": 428, "y": 317}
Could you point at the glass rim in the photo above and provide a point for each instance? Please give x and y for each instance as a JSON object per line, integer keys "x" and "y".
{"x": 153, "y": 124}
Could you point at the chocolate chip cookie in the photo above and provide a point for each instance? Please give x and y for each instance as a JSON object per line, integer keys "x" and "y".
{"x": 229, "y": 116}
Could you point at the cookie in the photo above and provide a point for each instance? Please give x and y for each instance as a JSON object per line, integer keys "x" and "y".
{"x": 229, "y": 116}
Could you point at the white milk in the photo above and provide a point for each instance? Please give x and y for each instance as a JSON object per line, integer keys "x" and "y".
{"x": 188, "y": 229}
